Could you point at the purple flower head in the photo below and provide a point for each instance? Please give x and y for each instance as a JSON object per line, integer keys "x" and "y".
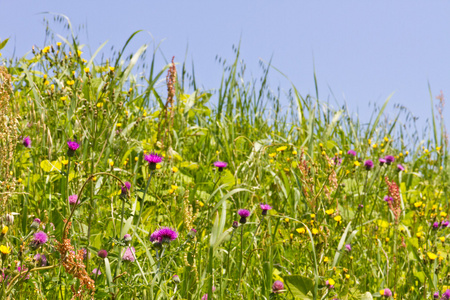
{"x": 40, "y": 238}
{"x": 24, "y": 270}
{"x": 277, "y": 287}
{"x": 446, "y": 295}
{"x": 368, "y": 164}
{"x": 27, "y": 142}
{"x": 37, "y": 220}
{"x": 360, "y": 206}
{"x": 41, "y": 259}
{"x": 387, "y": 293}
{"x": 220, "y": 165}
{"x": 164, "y": 235}
{"x": 400, "y": 168}
{"x": 388, "y": 198}
{"x": 348, "y": 247}
{"x": 351, "y": 152}
{"x": 96, "y": 272}
{"x": 153, "y": 159}
{"x": 127, "y": 238}
{"x": 73, "y": 146}
{"x": 176, "y": 279}
{"x": 244, "y": 215}
{"x": 192, "y": 233}
{"x": 126, "y": 188}
{"x": 337, "y": 161}
{"x": 86, "y": 254}
{"x": 35, "y": 224}
{"x": 435, "y": 225}
{"x": 73, "y": 199}
{"x": 436, "y": 295}
{"x": 205, "y": 297}
{"x": 102, "y": 253}
{"x": 389, "y": 159}
{"x": 382, "y": 161}
{"x": 445, "y": 224}
{"x": 265, "y": 208}
{"x": 235, "y": 224}
{"x": 128, "y": 255}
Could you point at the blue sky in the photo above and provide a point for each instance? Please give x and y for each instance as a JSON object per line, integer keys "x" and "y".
{"x": 362, "y": 51}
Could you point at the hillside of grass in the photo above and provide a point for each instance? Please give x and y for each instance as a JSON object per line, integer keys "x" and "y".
{"x": 119, "y": 184}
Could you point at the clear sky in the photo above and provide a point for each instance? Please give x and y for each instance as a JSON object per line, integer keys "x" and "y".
{"x": 362, "y": 50}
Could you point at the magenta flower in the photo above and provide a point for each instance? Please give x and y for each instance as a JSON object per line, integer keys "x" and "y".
{"x": 387, "y": 293}
{"x": 351, "y": 152}
{"x": 73, "y": 199}
{"x": 102, "y": 253}
{"x": 277, "y": 287}
{"x": 128, "y": 255}
{"x": 126, "y": 188}
{"x": 445, "y": 224}
{"x": 73, "y": 146}
{"x": 400, "y": 168}
{"x": 27, "y": 142}
{"x": 40, "y": 238}
{"x": 368, "y": 164}
{"x": 348, "y": 247}
{"x": 24, "y": 270}
{"x": 389, "y": 159}
{"x": 176, "y": 279}
{"x": 244, "y": 215}
{"x": 35, "y": 224}
{"x": 435, "y": 225}
{"x": 41, "y": 259}
{"x": 96, "y": 272}
{"x": 446, "y": 295}
{"x": 153, "y": 159}
{"x": 436, "y": 295}
{"x": 388, "y": 199}
{"x": 265, "y": 208}
{"x": 127, "y": 238}
{"x": 382, "y": 161}
{"x": 221, "y": 165}
{"x": 164, "y": 235}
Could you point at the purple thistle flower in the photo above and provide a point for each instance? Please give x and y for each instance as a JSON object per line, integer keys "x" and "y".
{"x": 351, "y": 152}
{"x": 348, "y": 247}
{"x": 387, "y": 293}
{"x": 192, "y": 233}
{"x": 40, "y": 238}
{"x": 23, "y": 269}
{"x": 73, "y": 146}
{"x": 389, "y": 159}
{"x": 128, "y": 255}
{"x": 220, "y": 165}
{"x": 35, "y": 223}
{"x": 436, "y": 295}
{"x": 176, "y": 279}
{"x": 388, "y": 198}
{"x": 382, "y": 161}
{"x": 446, "y": 295}
{"x": 244, "y": 215}
{"x": 126, "y": 187}
{"x": 164, "y": 235}
{"x": 27, "y": 142}
{"x": 435, "y": 225}
{"x": 277, "y": 287}
{"x": 235, "y": 224}
{"x": 102, "y": 253}
{"x": 368, "y": 164}
{"x": 153, "y": 159}
{"x": 96, "y": 272}
{"x": 37, "y": 220}
{"x": 73, "y": 199}
{"x": 445, "y": 224}
{"x": 265, "y": 208}
{"x": 400, "y": 168}
{"x": 41, "y": 258}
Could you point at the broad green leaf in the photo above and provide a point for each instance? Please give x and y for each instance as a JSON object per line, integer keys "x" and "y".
{"x": 300, "y": 286}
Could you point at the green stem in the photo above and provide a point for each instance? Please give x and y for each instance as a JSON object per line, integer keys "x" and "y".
{"x": 241, "y": 255}
{"x": 142, "y": 203}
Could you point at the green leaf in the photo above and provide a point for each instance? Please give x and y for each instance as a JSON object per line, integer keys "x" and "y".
{"x": 366, "y": 296}
{"x": 48, "y": 166}
{"x": 299, "y": 286}
{"x": 3, "y": 44}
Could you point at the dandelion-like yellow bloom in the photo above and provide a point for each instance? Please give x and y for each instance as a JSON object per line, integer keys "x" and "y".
{"x": 331, "y": 281}
{"x": 79, "y": 53}
{"x": 356, "y": 163}
{"x": 86, "y": 70}
{"x": 418, "y": 204}
{"x": 313, "y": 216}
{"x": 111, "y": 69}
{"x": 63, "y": 98}
{"x": 294, "y": 152}
{"x": 325, "y": 259}
{"x": 58, "y": 44}
{"x": 386, "y": 139}
{"x": 174, "y": 169}
{"x": 315, "y": 231}
{"x": 272, "y": 154}
{"x": 338, "y": 218}
{"x": 5, "y": 230}
{"x": 5, "y": 250}
{"x": 70, "y": 82}
{"x": 329, "y": 211}
{"x": 119, "y": 125}
{"x": 443, "y": 214}
{"x": 282, "y": 148}
{"x": 100, "y": 104}
{"x": 158, "y": 166}
{"x": 431, "y": 255}
{"x": 300, "y": 230}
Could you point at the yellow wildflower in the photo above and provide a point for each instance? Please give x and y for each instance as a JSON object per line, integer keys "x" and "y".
{"x": 70, "y": 82}
{"x": 338, "y": 218}
{"x": 174, "y": 169}
{"x": 357, "y": 163}
{"x": 314, "y": 231}
{"x": 331, "y": 281}
{"x": 119, "y": 124}
{"x": 418, "y": 204}
{"x": 313, "y": 216}
{"x": 111, "y": 69}
{"x": 86, "y": 70}
{"x": 5, "y": 230}
{"x": 325, "y": 259}
{"x": 65, "y": 162}
{"x": 111, "y": 163}
{"x": 347, "y": 276}
{"x": 200, "y": 203}
{"x": 79, "y": 53}
{"x": 272, "y": 154}
{"x": 100, "y": 104}
{"x": 381, "y": 292}
{"x": 374, "y": 146}
{"x": 329, "y": 211}
{"x": 58, "y": 44}
{"x": 386, "y": 139}
{"x": 431, "y": 255}
{"x": 5, "y": 250}
{"x": 443, "y": 214}
{"x": 300, "y": 230}
{"x": 294, "y": 152}
{"x": 158, "y": 166}
{"x": 64, "y": 98}
{"x": 136, "y": 158}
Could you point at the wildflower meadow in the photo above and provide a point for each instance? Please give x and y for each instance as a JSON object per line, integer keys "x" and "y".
{"x": 123, "y": 181}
